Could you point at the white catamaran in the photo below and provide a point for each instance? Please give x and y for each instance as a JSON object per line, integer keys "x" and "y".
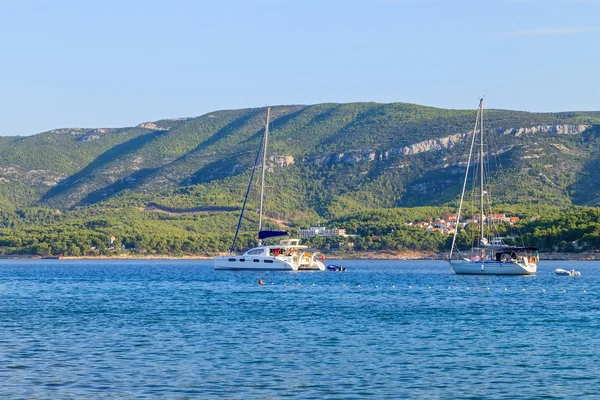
{"x": 489, "y": 256}
{"x": 288, "y": 255}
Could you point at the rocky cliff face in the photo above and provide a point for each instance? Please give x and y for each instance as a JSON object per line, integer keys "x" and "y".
{"x": 153, "y": 126}
{"x": 556, "y": 129}
{"x": 431, "y": 145}
{"x": 447, "y": 142}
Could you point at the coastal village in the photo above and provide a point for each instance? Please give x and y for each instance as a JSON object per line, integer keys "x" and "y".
{"x": 447, "y": 223}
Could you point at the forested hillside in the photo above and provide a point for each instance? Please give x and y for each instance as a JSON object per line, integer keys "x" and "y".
{"x": 328, "y": 164}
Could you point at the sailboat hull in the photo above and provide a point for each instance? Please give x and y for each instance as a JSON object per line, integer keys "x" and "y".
{"x": 464, "y": 267}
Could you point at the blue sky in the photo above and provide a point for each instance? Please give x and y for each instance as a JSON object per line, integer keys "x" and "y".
{"x": 118, "y": 63}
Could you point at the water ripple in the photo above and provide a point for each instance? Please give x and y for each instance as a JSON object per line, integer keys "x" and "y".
{"x": 385, "y": 329}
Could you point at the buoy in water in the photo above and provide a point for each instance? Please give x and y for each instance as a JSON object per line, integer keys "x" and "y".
{"x": 260, "y": 282}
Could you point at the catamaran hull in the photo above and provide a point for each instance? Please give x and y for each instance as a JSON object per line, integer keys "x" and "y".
{"x": 253, "y": 263}
{"x": 264, "y": 264}
{"x": 492, "y": 268}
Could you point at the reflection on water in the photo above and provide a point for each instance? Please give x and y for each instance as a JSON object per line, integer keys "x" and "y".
{"x": 394, "y": 329}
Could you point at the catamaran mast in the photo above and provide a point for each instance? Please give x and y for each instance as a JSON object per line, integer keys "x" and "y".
{"x": 264, "y": 164}
{"x": 481, "y": 216}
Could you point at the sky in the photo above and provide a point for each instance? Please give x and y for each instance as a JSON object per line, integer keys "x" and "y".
{"x": 106, "y": 63}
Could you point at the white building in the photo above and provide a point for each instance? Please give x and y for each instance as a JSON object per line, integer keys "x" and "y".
{"x": 321, "y": 231}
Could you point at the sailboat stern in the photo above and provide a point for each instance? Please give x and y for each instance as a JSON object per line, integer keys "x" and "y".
{"x": 314, "y": 266}
{"x": 310, "y": 262}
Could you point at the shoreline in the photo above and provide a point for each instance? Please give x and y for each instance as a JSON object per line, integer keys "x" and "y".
{"x": 381, "y": 255}
{"x": 416, "y": 255}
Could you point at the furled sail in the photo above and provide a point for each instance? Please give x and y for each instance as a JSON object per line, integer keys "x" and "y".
{"x": 269, "y": 234}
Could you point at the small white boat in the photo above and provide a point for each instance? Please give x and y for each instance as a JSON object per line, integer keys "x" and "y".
{"x": 567, "y": 272}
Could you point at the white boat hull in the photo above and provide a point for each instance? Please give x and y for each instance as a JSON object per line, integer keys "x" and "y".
{"x": 264, "y": 263}
{"x": 560, "y": 271}
{"x": 315, "y": 266}
{"x": 487, "y": 267}
{"x": 260, "y": 263}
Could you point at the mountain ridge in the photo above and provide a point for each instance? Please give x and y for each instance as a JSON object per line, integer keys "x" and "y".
{"x": 369, "y": 142}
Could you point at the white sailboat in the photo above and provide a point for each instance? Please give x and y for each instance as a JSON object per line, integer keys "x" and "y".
{"x": 489, "y": 256}
{"x": 288, "y": 255}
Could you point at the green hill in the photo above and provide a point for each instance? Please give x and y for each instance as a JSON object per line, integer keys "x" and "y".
{"x": 363, "y": 155}
{"x": 327, "y": 162}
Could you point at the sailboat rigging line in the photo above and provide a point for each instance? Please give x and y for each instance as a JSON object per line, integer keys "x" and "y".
{"x": 237, "y": 231}
{"x": 464, "y": 186}
{"x": 264, "y": 164}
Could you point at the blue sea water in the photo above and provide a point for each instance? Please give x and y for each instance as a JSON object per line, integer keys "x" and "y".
{"x": 383, "y": 329}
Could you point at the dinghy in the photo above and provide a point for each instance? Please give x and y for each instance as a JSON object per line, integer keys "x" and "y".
{"x": 566, "y": 272}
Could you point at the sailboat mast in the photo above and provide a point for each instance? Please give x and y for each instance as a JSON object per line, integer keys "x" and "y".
{"x": 481, "y": 216}
{"x": 262, "y": 181}
{"x": 462, "y": 195}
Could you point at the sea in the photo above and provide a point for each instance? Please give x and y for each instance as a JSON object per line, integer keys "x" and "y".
{"x": 382, "y": 329}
